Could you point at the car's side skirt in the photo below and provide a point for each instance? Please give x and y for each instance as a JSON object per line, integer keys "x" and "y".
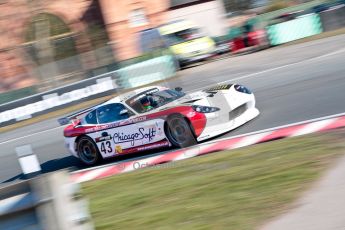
{"x": 156, "y": 145}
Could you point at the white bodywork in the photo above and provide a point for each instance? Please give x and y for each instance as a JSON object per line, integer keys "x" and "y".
{"x": 139, "y": 131}
{"x": 220, "y": 122}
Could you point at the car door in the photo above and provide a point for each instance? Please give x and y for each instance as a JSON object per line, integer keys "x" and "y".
{"x": 122, "y": 131}
{"x": 109, "y": 118}
{"x": 135, "y": 135}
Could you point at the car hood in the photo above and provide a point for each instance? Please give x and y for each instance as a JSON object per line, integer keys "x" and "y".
{"x": 192, "y": 98}
{"x": 197, "y": 98}
{"x": 216, "y": 96}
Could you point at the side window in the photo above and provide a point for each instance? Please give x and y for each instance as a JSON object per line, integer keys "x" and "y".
{"x": 91, "y": 118}
{"x": 112, "y": 112}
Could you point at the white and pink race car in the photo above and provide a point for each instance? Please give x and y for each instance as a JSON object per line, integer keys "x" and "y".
{"x": 156, "y": 117}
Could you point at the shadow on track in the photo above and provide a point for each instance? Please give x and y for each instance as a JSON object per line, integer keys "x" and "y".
{"x": 71, "y": 163}
{"x": 68, "y": 162}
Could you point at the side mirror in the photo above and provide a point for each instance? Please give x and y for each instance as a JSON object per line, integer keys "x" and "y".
{"x": 123, "y": 112}
{"x": 178, "y": 89}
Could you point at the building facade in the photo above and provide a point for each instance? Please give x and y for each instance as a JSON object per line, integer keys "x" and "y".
{"x": 56, "y": 42}
{"x": 50, "y": 41}
{"x": 125, "y": 18}
{"x": 209, "y": 15}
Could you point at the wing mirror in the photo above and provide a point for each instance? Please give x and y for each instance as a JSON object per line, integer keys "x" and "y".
{"x": 124, "y": 112}
{"x": 178, "y": 89}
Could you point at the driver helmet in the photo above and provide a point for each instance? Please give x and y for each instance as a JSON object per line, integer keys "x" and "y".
{"x": 146, "y": 103}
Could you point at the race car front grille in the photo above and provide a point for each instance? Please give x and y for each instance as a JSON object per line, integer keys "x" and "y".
{"x": 238, "y": 111}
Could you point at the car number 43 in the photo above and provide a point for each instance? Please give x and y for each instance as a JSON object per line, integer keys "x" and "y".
{"x": 106, "y": 147}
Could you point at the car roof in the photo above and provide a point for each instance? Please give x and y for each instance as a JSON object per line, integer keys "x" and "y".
{"x": 122, "y": 98}
{"x": 125, "y": 96}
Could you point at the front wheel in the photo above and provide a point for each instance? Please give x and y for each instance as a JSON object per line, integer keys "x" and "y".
{"x": 179, "y": 132}
{"x": 87, "y": 151}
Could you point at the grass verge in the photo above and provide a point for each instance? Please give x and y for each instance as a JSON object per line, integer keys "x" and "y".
{"x": 238, "y": 189}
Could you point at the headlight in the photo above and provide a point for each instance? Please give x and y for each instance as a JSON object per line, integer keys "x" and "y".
{"x": 204, "y": 109}
{"x": 242, "y": 89}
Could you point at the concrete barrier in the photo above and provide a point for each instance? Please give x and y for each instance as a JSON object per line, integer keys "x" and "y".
{"x": 333, "y": 19}
{"x": 50, "y": 201}
{"x": 146, "y": 72}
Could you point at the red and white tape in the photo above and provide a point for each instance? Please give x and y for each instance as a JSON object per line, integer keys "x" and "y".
{"x": 292, "y": 130}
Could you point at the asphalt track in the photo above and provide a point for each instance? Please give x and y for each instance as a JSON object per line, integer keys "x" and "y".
{"x": 291, "y": 84}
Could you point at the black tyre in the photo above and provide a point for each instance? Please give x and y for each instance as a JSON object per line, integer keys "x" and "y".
{"x": 88, "y": 151}
{"x": 179, "y": 132}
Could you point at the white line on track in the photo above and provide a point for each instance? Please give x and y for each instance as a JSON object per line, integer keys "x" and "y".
{"x": 284, "y": 66}
{"x": 30, "y": 135}
{"x": 231, "y": 80}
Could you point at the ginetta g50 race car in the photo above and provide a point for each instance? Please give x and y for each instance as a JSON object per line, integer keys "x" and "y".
{"x": 156, "y": 117}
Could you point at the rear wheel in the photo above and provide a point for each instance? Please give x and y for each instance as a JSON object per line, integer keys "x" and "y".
{"x": 87, "y": 151}
{"x": 179, "y": 132}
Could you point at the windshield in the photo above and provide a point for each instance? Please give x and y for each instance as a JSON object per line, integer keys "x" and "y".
{"x": 153, "y": 99}
{"x": 182, "y": 36}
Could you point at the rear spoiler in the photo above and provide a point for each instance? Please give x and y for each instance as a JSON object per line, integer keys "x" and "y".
{"x": 73, "y": 117}
{"x": 76, "y": 116}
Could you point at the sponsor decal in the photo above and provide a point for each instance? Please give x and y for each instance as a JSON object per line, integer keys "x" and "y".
{"x": 106, "y": 147}
{"x": 204, "y": 137}
{"x": 133, "y": 120}
{"x": 96, "y": 128}
{"x": 116, "y": 124}
{"x": 100, "y": 139}
{"x": 191, "y": 114}
{"x": 118, "y": 149}
{"x": 159, "y": 130}
{"x": 153, "y": 146}
{"x": 141, "y": 134}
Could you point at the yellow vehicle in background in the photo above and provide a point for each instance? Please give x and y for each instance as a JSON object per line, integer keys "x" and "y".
{"x": 186, "y": 42}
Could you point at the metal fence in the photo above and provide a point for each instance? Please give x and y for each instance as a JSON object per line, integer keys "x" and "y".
{"x": 50, "y": 201}
{"x": 135, "y": 75}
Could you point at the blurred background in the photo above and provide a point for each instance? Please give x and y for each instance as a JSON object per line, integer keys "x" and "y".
{"x": 57, "y": 57}
{"x": 48, "y": 44}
